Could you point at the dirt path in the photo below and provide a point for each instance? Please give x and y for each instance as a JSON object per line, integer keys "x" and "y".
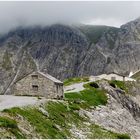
{"x": 77, "y": 86}
{"x": 9, "y": 101}
{"x": 74, "y": 87}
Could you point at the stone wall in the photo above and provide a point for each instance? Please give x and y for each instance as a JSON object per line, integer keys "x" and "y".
{"x": 46, "y": 87}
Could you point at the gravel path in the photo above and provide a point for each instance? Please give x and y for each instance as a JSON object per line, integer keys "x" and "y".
{"x": 9, "y": 101}
{"x": 78, "y": 86}
{"x": 74, "y": 87}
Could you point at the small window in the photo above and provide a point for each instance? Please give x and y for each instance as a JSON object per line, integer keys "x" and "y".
{"x": 35, "y": 87}
{"x": 113, "y": 78}
{"x": 34, "y": 77}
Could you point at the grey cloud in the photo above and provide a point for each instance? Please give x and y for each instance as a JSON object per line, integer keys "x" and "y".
{"x": 13, "y": 14}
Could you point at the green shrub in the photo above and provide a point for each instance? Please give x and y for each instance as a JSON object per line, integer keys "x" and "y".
{"x": 7, "y": 122}
{"x": 119, "y": 84}
{"x": 93, "y": 84}
{"x": 112, "y": 84}
{"x": 123, "y": 136}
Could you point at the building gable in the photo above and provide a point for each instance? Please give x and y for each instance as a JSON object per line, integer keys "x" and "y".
{"x": 39, "y": 84}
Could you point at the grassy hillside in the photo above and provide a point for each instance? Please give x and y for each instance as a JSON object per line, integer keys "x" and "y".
{"x": 59, "y": 119}
{"x": 88, "y": 97}
{"x": 94, "y": 32}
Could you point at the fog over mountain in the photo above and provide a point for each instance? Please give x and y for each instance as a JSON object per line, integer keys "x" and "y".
{"x": 13, "y": 14}
{"x": 76, "y": 40}
{"x": 70, "y": 48}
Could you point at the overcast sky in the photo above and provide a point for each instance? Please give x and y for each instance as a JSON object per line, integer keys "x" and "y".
{"x": 13, "y": 14}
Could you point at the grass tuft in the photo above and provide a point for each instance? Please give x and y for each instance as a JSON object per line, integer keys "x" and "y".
{"x": 75, "y": 80}
{"x": 100, "y": 133}
{"x": 11, "y": 126}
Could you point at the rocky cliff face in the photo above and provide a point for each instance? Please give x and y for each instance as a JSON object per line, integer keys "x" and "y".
{"x": 65, "y": 51}
{"x": 121, "y": 114}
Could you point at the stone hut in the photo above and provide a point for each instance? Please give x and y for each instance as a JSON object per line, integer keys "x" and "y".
{"x": 39, "y": 84}
{"x": 116, "y": 76}
{"x": 111, "y": 76}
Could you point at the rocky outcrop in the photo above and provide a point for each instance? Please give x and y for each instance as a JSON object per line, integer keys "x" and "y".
{"x": 65, "y": 51}
{"x": 121, "y": 114}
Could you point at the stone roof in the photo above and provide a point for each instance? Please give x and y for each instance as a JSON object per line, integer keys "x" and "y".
{"x": 50, "y": 77}
{"x": 45, "y": 75}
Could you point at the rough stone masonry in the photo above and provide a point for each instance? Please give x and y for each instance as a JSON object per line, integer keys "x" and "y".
{"x": 39, "y": 84}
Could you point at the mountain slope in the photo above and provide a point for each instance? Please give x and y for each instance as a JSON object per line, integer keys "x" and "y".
{"x": 94, "y": 33}
{"x": 103, "y": 109}
{"x": 69, "y": 118}
{"x": 69, "y": 51}
{"x": 54, "y": 48}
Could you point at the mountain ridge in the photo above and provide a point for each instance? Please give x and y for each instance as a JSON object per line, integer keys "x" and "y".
{"x": 70, "y": 51}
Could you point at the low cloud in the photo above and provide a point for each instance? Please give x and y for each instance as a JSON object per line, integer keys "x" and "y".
{"x": 13, "y": 14}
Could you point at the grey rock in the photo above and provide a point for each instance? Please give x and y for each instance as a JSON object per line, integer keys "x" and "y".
{"x": 43, "y": 111}
{"x": 121, "y": 114}
{"x": 68, "y": 51}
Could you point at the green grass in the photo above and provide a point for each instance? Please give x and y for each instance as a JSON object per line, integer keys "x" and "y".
{"x": 88, "y": 97}
{"x": 58, "y": 123}
{"x": 43, "y": 125}
{"x": 75, "y": 80}
{"x": 101, "y": 133}
{"x": 63, "y": 114}
{"x": 119, "y": 84}
{"x": 59, "y": 115}
{"x": 11, "y": 126}
{"x": 95, "y": 32}
{"x": 126, "y": 86}
{"x": 7, "y": 122}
